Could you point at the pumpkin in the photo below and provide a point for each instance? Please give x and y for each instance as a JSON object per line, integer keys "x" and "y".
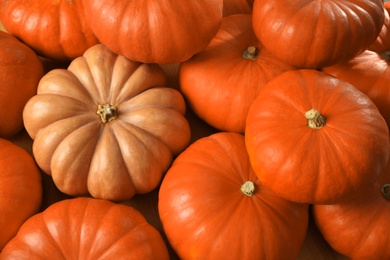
{"x": 20, "y": 189}
{"x": 314, "y": 34}
{"x": 164, "y": 31}
{"x": 382, "y": 42}
{"x": 213, "y": 206}
{"x": 86, "y": 228}
{"x": 54, "y": 29}
{"x": 20, "y": 70}
{"x": 313, "y": 138}
{"x": 220, "y": 82}
{"x": 237, "y": 7}
{"x": 107, "y": 126}
{"x": 370, "y": 73}
{"x": 358, "y": 228}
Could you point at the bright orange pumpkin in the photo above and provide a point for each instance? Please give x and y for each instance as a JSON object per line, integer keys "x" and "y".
{"x": 382, "y": 43}
{"x": 314, "y": 138}
{"x": 107, "y": 126}
{"x": 213, "y": 206}
{"x": 20, "y": 189}
{"x": 86, "y": 228}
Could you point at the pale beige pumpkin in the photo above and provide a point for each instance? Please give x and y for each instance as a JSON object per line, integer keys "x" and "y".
{"x": 106, "y": 126}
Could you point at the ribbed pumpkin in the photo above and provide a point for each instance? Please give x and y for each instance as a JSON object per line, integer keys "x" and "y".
{"x": 213, "y": 206}
{"x": 86, "y": 228}
{"x": 107, "y": 125}
{"x": 382, "y": 43}
{"x": 316, "y": 139}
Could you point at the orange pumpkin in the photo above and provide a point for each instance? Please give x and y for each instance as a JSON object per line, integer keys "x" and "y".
{"x": 382, "y": 42}
{"x": 20, "y": 189}
{"x": 221, "y": 82}
{"x": 107, "y": 125}
{"x": 213, "y": 206}
{"x": 20, "y": 70}
{"x": 316, "y": 139}
{"x": 86, "y": 228}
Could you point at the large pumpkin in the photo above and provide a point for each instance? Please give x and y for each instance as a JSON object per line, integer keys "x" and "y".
{"x": 86, "y": 228}
{"x": 20, "y": 189}
{"x": 382, "y": 42}
{"x": 163, "y": 31}
{"x": 358, "y": 228}
{"x": 221, "y": 81}
{"x": 317, "y": 33}
{"x": 314, "y": 138}
{"x": 107, "y": 125}
{"x": 54, "y": 29}
{"x": 20, "y": 72}
{"x": 213, "y": 206}
{"x": 370, "y": 73}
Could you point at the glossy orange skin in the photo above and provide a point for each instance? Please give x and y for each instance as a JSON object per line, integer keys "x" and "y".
{"x": 86, "y": 228}
{"x": 316, "y": 166}
{"x": 113, "y": 160}
{"x": 370, "y": 73}
{"x": 382, "y": 43}
{"x": 317, "y": 33}
{"x": 164, "y": 31}
{"x": 20, "y": 72}
{"x": 20, "y": 189}
{"x": 358, "y": 228}
{"x": 206, "y": 216}
{"x": 54, "y": 29}
{"x": 219, "y": 83}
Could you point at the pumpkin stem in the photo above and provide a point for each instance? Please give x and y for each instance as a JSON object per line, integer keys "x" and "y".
{"x": 251, "y": 53}
{"x": 314, "y": 119}
{"x": 386, "y": 190}
{"x": 248, "y": 188}
{"x": 107, "y": 112}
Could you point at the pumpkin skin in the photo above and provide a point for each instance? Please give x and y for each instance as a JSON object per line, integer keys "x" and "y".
{"x": 370, "y": 73}
{"x": 382, "y": 42}
{"x": 20, "y": 189}
{"x": 237, "y": 7}
{"x": 358, "y": 228}
{"x": 319, "y": 33}
{"x": 127, "y": 154}
{"x": 86, "y": 228}
{"x": 20, "y": 72}
{"x": 305, "y": 164}
{"x": 201, "y": 197}
{"x": 54, "y": 29}
{"x": 220, "y": 82}
{"x": 164, "y": 31}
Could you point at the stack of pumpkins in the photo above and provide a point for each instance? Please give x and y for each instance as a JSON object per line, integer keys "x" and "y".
{"x": 295, "y": 90}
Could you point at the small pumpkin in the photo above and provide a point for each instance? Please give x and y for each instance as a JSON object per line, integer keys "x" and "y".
{"x": 382, "y": 42}
{"x": 54, "y": 29}
{"x": 213, "y": 197}
{"x": 220, "y": 82}
{"x": 107, "y": 126}
{"x": 313, "y": 138}
{"x": 358, "y": 228}
{"x": 314, "y": 34}
{"x": 86, "y": 228}
{"x": 164, "y": 31}
{"x": 370, "y": 73}
{"x": 20, "y": 70}
{"x": 20, "y": 189}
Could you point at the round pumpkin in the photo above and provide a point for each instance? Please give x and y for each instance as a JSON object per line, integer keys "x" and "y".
{"x": 54, "y": 29}
{"x": 86, "y": 228}
{"x": 20, "y": 70}
{"x": 164, "y": 31}
{"x": 358, "y": 228}
{"x": 370, "y": 73}
{"x": 20, "y": 189}
{"x": 107, "y": 126}
{"x": 315, "y": 139}
{"x": 220, "y": 82}
{"x": 237, "y": 7}
{"x": 314, "y": 34}
{"x": 382, "y": 42}
{"x": 213, "y": 206}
